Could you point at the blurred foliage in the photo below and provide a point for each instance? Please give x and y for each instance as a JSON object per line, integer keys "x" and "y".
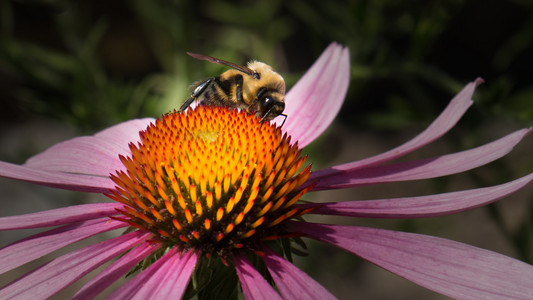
{"x": 96, "y": 63}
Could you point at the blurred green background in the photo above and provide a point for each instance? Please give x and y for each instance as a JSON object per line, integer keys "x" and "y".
{"x": 92, "y": 64}
{"x": 96, "y": 63}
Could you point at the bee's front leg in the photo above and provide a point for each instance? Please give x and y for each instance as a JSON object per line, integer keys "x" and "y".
{"x": 198, "y": 90}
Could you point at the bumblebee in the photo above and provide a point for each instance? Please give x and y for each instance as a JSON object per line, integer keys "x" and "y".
{"x": 256, "y": 88}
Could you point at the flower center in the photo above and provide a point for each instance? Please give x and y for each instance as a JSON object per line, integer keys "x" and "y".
{"x": 211, "y": 179}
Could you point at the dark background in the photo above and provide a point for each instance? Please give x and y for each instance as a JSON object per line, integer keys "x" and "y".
{"x": 74, "y": 67}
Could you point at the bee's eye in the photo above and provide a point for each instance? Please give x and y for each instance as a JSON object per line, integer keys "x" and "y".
{"x": 267, "y": 103}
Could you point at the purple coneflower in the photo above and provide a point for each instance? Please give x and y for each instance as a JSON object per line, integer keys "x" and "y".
{"x": 214, "y": 187}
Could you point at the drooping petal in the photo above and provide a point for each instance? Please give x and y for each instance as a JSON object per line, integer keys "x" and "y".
{"x": 33, "y": 247}
{"x": 451, "y": 268}
{"x": 171, "y": 280}
{"x": 254, "y": 286}
{"x": 60, "y": 180}
{"x": 108, "y": 276}
{"x": 54, "y": 276}
{"x": 424, "y": 206}
{"x": 167, "y": 278}
{"x": 292, "y": 282}
{"x": 444, "y": 122}
{"x": 425, "y": 168}
{"x": 120, "y": 135}
{"x": 91, "y": 155}
{"x": 315, "y": 100}
{"x": 84, "y": 155}
{"x": 60, "y": 216}
{"x": 128, "y": 290}
{"x": 80, "y": 164}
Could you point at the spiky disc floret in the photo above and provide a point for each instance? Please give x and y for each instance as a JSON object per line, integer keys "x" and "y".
{"x": 212, "y": 179}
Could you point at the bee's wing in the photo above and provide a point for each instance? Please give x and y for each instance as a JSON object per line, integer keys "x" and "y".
{"x": 243, "y": 69}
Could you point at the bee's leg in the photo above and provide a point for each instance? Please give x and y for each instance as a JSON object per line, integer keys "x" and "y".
{"x": 264, "y": 118}
{"x": 196, "y": 93}
{"x": 284, "y": 119}
{"x": 238, "y": 90}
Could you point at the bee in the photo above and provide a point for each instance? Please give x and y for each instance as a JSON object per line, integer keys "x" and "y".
{"x": 256, "y": 88}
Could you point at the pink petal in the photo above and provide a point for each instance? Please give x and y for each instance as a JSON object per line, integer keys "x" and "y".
{"x": 171, "y": 280}
{"x": 314, "y": 101}
{"x": 60, "y": 180}
{"x": 85, "y": 155}
{"x": 446, "y": 120}
{"x": 254, "y": 286}
{"x": 91, "y": 155}
{"x": 424, "y": 206}
{"x": 122, "y": 134}
{"x": 60, "y": 216}
{"x": 81, "y": 164}
{"x": 167, "y": 278}
{"x": 116, "y": 270}
{"x": 292, "y": 282}
{"x": 425, "y": 168}
{"x": 61, "y": 272}
{"x": 33, "y": 247}
{"x": 451, "y": 268}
